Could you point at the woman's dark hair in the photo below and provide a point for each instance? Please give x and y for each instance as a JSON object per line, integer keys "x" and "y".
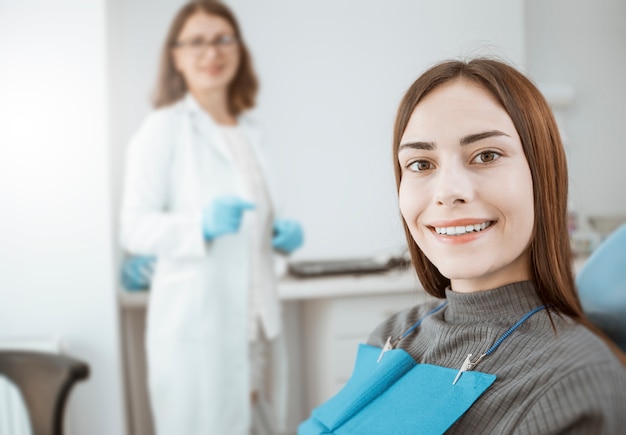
{"x": 171, "y": 85}
{"x": 550, "y": 252}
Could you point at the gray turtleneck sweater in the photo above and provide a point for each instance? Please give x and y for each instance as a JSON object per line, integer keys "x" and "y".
{"x": 568, "y": 382}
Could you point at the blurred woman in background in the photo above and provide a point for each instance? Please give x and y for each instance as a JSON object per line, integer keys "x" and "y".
{"x": 196, "y": 198}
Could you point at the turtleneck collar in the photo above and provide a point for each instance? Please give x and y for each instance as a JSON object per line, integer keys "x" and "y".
{"x": 509, "y": 301}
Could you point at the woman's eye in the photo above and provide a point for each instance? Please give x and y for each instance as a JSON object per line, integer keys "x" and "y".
{"x": 225, "y": 40}
{"x": 486, "y": 157}
{"x": 420, "y": 165}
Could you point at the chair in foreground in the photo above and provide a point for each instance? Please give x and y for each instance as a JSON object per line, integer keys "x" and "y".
{"x": 44, "y": 381}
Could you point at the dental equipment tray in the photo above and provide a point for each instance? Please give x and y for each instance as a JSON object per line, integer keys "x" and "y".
{"x": 356, "y": 266}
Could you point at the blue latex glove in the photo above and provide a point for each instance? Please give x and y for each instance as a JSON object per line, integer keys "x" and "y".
{"x": 224, "y": 216}
{"x": 137, "y": 271}
{"x": 288, "y": 235}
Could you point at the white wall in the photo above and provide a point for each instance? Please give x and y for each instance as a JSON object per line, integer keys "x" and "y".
{"x": 56, "y": 268}
{"x": 583, "y": 44}
{"x": 330, "y": 87}
{"x": 332, "y": 75}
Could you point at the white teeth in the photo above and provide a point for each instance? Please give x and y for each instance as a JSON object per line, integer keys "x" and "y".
{"x": 460, "y": 230}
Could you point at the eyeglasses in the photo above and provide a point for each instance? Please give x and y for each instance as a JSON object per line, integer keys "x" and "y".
{"x": 198, "y": 46}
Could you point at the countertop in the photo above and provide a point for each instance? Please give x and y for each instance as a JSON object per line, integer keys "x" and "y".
{"x": 290, "y": 288}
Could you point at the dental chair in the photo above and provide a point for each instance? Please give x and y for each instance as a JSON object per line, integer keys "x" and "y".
{"x": 602, "y": 286}
{"x": 44, "y": 381}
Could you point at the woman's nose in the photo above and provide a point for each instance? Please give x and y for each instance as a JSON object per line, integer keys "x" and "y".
{"x": 453, "y": 186}
{"x": 210, "y": 52}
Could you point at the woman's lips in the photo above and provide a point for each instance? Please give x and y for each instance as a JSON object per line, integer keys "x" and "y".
{"x": 213, "y": 70}
{"x": 457, "y": 232}
{"x": 454, "y": 230}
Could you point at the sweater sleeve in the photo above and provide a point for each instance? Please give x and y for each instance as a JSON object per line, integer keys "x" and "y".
{"x": 584, "y": 401}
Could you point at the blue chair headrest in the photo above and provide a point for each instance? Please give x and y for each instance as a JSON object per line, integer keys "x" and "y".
{"x": 602, "y": 286}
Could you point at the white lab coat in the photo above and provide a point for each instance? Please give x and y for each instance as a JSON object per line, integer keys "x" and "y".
{"x": 197, "y": 321}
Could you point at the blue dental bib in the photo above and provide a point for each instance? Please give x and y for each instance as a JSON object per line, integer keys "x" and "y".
{"x": 396, "y": 396}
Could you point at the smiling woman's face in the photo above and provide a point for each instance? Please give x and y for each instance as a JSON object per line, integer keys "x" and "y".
{"x": 206, "y": 64}
{"x": 466, "y": 190}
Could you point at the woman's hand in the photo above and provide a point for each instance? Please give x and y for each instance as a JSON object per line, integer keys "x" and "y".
{"x": 224, "y": 216}
{"x": 136, "y": 273}
{"x": 288, "y": 235}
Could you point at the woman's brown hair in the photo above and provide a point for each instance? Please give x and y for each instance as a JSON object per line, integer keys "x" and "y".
{"x": 550, "y": 252}
{"x": 171, "y": 86}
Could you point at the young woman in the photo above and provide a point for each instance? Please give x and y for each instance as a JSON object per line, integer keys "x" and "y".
{"x": 482, "y": 184}
{"x": 196, "y": 198}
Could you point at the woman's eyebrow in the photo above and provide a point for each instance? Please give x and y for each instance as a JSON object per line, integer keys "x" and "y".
{"x": 417, "y": 146}
{"x": 471, "y": 138}
{"x": 466, "y": 140}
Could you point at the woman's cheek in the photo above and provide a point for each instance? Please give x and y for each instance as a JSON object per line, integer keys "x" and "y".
{"x": 409, "y": 205}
